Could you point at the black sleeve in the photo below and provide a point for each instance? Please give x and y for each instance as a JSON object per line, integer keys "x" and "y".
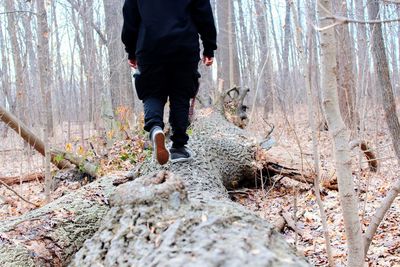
{"x": 130, "y": 30}
{"x": 204, "y": 20}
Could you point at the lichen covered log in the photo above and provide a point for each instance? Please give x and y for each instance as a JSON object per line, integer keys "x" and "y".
{"x": 153, "y": 222}
{"x": 175, "y": 215}
{"x": 183, "y": 216}
{"x": 51, "y": 235}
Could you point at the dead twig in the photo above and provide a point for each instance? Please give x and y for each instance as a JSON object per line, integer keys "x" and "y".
{"x": 380, "y": 213}
{"x": 275, "y": 168}
{"x": 22, "y": 179}
{"x": 18, "y": 195}
{"x": 292, "y": 224}
{"x": 396, "y": 2}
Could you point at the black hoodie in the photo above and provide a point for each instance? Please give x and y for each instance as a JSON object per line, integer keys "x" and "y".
{"x": 162, "y": 31}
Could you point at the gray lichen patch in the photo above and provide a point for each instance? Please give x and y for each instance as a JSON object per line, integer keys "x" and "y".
{"x": 14, "y": 256}
{"x": 159, "y": 186}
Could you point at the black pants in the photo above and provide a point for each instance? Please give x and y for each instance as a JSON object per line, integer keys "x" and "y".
{"x": 155, "y": 84}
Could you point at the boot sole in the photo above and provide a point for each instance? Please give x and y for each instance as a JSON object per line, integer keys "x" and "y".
{"x": 181, "y": 160}
{"x": 162, "y": 154}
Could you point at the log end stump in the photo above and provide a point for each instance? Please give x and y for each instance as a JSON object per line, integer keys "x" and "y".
{"x": 152, "y": 222}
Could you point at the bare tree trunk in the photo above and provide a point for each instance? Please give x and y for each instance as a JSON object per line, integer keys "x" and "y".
{"x": 44, "y": 65}
{"x": 383, "y": 74}
{"x": 28, "y": 136}
{"x": 341, "y": 138}
{"x": 315, "y": 64}
{"x": 392, "y": 120}
{"x": 45, "y": 86}
{"x": 234, "y": 74}
{"x": 90, "y": 66}
{"x": 285, "y": 56}
{"x": 266, "y": 73}
{"x": 58, "y": 69}
{"x": 311, "y": 118}
{"x": 120, "y": 82}
{"x": 228, "y": 65}
{"x": 345, "y": 76}
{"x": 20, "y": 101}
{"x": 5, "y": 80}
{"x": 32, "y": 57}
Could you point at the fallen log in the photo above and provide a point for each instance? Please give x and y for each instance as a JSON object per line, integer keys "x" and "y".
{"x": 12, "y": 180}
{"x": 60, "y": 159}
{"x": 182, "y": 217}
{"x": 153, "y": 222}
{"x": 51, "y": 235}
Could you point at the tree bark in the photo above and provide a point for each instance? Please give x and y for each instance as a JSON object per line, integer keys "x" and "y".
{"x": 5, "y": 76}
{"x": 345, "y": 75}
{"x": 228, "y": 65}
{"x": 176, "y": 215}
{"x": 45, "y": 65}
{"x": 341, "y": 138}
{"x": 285, "y": 82}
{"x": 120, "y": 77}
{"x": 20, "y": 99}
{"x": 392, "y": 120}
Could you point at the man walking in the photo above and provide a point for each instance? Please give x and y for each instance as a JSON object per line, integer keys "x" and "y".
{"x": 161, "y": 38}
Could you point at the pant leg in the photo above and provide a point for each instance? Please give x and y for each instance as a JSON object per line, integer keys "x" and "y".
{"x": 179, "y": 119}
{"x": 150, "y": 83}
{"x": 183, "y": 86}
{"x": 154, "y": 112}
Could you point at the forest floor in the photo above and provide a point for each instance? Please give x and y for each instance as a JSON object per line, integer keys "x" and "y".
{"x": 292, "y": 136}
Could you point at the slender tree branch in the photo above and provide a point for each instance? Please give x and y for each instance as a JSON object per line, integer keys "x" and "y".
{"x": 396, "y": 2}
{"x": 379, "y": 215}
{"x": 339, "y": 20}
{"x": 18, "y": 11}
{"x": 94, "y": 26}
{"x": 18, "y": 195}
{"x": 345, "y": 20}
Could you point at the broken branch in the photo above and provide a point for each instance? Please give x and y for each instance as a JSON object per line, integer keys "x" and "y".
{"x": 18, "y": 195}
{"x": 22, "y": 179}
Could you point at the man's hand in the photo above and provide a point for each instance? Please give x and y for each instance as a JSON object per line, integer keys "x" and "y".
{"x": 208, "y": 61}
{"x": 132, "y": 63}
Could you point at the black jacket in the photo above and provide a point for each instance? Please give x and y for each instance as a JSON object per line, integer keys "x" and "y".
{"x": 161, "y": 31}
